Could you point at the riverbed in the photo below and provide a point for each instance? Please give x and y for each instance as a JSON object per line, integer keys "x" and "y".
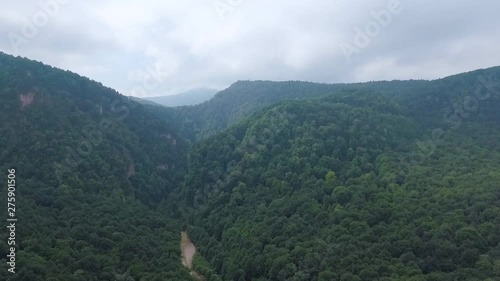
{"x": 188, "y": 250}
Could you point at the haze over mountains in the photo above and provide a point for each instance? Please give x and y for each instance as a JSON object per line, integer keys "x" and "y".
{"x": 271, "y": 180}
{"x": 191, "y": 97}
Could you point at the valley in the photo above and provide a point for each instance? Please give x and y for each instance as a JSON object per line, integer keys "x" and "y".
{"x": 270, "y": 180}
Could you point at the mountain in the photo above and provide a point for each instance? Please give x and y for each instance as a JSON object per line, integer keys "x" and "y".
{"x": 245, "y": 97}
{"x": 352, "y": 186}
{"x": 92, "y": 170}
{"x": 240, "y": 99}
{"x": 191, "y": 97}
{"x": 389, "y": 180}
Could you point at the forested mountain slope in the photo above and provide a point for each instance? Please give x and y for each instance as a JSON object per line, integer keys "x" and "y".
{"x": 91, "y": 167}
{"x": 349, "y": 187}
{"x": 245, "y": 97}
{"x": 456, "y": 99}
{"x": 69, "y": 123}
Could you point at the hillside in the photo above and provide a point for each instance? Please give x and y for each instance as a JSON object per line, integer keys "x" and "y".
{"x": 346, "y": 188}
{"x": 246, "y": 97}
{"x": 240, "y": 99}
{"x": 91, "y": 169}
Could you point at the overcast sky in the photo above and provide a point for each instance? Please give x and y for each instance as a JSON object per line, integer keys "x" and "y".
{"x": 131, "y": 45}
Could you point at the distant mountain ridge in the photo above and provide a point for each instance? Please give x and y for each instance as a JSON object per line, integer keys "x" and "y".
{"x": 191, "y": 97}
{"x": 242, "y": 98}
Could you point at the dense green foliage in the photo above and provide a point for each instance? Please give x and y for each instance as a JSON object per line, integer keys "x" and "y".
{"x": 239, "y": 100}
{"x": 245, "y": 97}
{"x": 89, "y": 163}
{"x": 345, "y": 188}
{"x": 70, "y": 125}
{"x": 273, "y": 180}
{"x": 67, "y": 234}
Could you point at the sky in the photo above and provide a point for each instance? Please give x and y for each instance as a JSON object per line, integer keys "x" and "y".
{"x": 152, "y": 47}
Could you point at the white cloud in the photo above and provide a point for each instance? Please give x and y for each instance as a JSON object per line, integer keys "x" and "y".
{"x": 115, "y": 41}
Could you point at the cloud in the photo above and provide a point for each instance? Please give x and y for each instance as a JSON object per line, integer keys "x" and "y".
{"x": 119, "y": 42}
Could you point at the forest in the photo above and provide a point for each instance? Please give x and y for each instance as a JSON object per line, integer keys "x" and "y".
{"x": 389, "y": 180}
